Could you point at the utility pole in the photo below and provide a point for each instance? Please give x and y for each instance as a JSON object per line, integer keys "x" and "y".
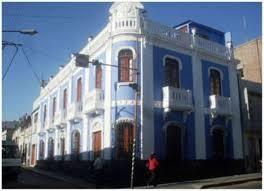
{"x": 134, "y": 137}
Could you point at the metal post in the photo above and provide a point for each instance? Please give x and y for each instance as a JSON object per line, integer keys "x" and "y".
{"x": 134, "y": 140}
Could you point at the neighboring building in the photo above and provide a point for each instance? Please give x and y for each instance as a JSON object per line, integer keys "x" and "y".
{"x": 8, "y": 128}
{"x": 188, "y": 107}
{"x": 250, "y": 56}
{"x": 24, "y": 136}
{"x": 249, "y": 70}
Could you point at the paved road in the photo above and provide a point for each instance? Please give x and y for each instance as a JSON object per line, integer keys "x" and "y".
{"x": 29, "y": 179}
{"x": 246, "y": 185}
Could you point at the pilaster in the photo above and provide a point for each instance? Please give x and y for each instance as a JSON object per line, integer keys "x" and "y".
{"x": 68, "y": 139}
{"x": 147, "y": 115}
{"x": 85, "y": 138}
{"x": 108, "y": 105}
{"x": 200, "y": 144}
{"x": 236, "y": 123}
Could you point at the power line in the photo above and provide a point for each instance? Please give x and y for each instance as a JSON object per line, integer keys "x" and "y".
{"x": 31, "y": 67}
{"x": 43, "y": 53}
{"x": 43, "y": 16}
{"x": 9, "y": 65}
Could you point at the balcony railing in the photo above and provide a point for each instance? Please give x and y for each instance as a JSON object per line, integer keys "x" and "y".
{"x": 94, "y": 102}
{"x": 75, "y": 111}
{"x": 186, "y": 40}
{"x": 176, "y": 99}
{"x": 220, "y": 105}
{"x": 60, "y": 118}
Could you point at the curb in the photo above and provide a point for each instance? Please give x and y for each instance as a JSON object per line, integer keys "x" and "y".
{"x": 59, "y": 178}
{"x": 230, "y": 183}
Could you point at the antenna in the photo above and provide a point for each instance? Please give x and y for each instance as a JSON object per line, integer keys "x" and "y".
{"x": 245, "y": 27}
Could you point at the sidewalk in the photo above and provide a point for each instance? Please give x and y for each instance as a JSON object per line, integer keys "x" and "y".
{"x": 79, "y": 183}
{"x": 196, "y": 184}
{"x": 212, "y": 182}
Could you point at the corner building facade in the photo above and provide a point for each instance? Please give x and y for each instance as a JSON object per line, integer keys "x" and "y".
{"x": 188, "y": 103}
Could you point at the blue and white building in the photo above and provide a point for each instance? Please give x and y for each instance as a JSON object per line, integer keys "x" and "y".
{"x": 188, "y": 102}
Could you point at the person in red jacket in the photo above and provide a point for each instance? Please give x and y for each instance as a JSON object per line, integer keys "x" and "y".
{"x": 152, "y": 166}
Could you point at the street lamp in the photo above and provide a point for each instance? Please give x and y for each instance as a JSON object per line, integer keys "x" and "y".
{"x": 24, "y": 31}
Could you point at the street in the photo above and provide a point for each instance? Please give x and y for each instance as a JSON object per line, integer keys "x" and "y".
{"x": 246, "y": 185}
{"x": 29, "y": 179}
{"x": 33, "y": 179}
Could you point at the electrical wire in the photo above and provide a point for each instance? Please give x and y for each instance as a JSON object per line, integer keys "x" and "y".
{"x": 9, "y": 65}
{"x": 35, "y": 73}
{"x": 43, "y": 53}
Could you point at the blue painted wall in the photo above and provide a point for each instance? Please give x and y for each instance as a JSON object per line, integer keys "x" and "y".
{"x": 212, "y": 34}
{"x": 219, "y": 120}
{"x": 206, "y": 80}
{"x": 123, "y": 92}
{"x": 186, "y": 82}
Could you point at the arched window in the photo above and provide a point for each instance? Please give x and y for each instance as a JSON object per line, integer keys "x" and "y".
{"x": 215, "y": 82}
{"x": 125, "y": 58}
{"x": 124, "y": 142}
{"x": 41, "y": 149}
{"x": 65, "y": 99}
{"x": 171, "y": 70}
{"x": 218, "y": 144}
{"x": 50, "y": 148}
{"x": 45, "y": 113}
{"x": 98, "y": 77}
{"x": 79, "y": 90}
{"x": 174, "y": 146}
{"x": 75, "y": 149}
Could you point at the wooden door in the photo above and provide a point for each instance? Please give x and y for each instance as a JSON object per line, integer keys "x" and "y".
{"x": 97, "y": 143}
{"x": 33, "y": 152}
{"x": 124, "y": 143}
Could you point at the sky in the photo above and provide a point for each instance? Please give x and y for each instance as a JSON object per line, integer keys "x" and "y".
{"x": 63, "y": 28}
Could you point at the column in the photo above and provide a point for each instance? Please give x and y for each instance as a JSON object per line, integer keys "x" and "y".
{"x": 85, "y": 138}
{"x": 37, "y": 148}
{"x": 46, "y": 146}
{"x": 146, "y": 90}
{"x": 108, "y": 105}
{"x": 200, "y": 144}
{"x": 235, "y": 105}
{"x": 89, "y": 139}
{"x": 56, "y": 141}
{"x": 68, "y": 140}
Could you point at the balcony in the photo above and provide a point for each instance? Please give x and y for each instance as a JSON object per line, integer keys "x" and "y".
{"x": 60, "y": 118}
{"x": 220, "y": 105}
{"x": 176, "y": 99}
{"x": 94, "y": 102}
{"x": 169, "y": 34}
{"x": 75, "y": 111}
